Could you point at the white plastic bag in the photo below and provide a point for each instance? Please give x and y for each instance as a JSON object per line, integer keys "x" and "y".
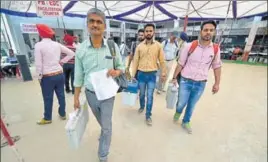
{"x": 77, "y": 124}
{"x": 172, "y": 96}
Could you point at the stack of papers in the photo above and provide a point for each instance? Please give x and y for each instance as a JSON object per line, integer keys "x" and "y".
{"x": 104, "y": 87}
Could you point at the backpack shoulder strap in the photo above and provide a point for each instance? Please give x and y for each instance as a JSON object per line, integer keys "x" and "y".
{"x": 193, "y": 47}
{"x": 216, "y": 49}
{"x": 194, "y": 44}
{"x": 166, "y": 41}
{"x": 176, "y": 44}
{"x": 111, "y": 45}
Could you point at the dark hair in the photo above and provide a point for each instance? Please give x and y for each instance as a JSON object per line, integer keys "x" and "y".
{"x": 141, "y": 30}
{"x": 209, "y": 22}
{"x": 151, "y": 25}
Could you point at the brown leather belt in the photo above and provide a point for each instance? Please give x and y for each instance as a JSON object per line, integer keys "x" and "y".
{"x": 194, "y": 80}
{"x": 52, "y": 74}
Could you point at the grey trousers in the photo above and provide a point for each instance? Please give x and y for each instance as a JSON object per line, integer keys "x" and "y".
{"x": 103, "y": 111}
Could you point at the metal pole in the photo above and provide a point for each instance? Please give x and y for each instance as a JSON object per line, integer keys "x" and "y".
{"x": 261, "y": 43}
{"x": 186, "y": 17}
{"x": 10, "y": 141}
{"x": 225, "y": 23}
{"x": 153, "y": 11}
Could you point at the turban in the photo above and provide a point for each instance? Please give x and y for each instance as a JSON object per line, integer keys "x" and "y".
{"x": 68, "y": 39}
{"x": 45, "y": 31}
{"x": 184, "y": 36}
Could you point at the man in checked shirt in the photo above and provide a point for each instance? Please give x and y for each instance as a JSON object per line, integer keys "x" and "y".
{"x": 48, "y": 66}
{"x": 147, "y": 54}
{"x": 194, "y": 68}
{"x": 68, "y": 68}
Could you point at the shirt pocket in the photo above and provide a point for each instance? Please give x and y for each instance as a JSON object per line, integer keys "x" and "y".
{"x": 207, "y": 60}
{"x": 109, "y": 63}
{"x": 90, "y": 62}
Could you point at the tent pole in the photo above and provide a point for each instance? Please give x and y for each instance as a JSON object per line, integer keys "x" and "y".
{"x": 225, "y": 23}
{"x": 186, "y": 17}
{"x": 153, "y": 11}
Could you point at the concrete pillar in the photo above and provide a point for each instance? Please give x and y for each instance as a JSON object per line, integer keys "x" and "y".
{"x": 176, "y": 24}
{"x": 107, "y": 28}
{"x": 123, "y": 32}
{"x": 251, "y": 37}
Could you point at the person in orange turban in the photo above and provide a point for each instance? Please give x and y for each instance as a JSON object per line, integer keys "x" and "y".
{"x": 45, "y": 31}
{"x": 47, "y": 54}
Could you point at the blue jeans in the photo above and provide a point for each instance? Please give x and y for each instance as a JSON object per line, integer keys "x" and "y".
{"x": 49, "y": 85}
{"x": 189, "y": 93}
{"x": 147, "y": 81}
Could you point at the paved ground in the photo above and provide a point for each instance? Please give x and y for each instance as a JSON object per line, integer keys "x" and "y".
{"x": 228, "y": 127}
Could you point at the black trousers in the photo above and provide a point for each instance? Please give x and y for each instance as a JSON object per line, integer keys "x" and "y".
{"x": 68, "y": 70}
{"x": 10, "y": 70}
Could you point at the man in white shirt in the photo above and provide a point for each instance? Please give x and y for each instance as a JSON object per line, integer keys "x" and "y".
{"x": 124, "y": 51}
{"x": 170, "y": 47}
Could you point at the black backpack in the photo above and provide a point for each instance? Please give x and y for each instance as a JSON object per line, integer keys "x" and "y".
{"x": 120, "y": 80}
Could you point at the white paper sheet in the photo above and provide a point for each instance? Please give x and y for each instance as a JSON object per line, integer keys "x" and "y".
{"x": 104, "y": 87}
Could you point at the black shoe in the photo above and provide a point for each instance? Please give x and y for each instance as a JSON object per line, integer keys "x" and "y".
{"x": 140, "y": 110}
{"x": 149, "y": 122}
{"x": 67, "y": 91}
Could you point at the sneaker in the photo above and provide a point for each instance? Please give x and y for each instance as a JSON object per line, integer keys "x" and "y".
{"x": 43, "y": 122}
{"x": 176, "y": 116}
{"x": 63, "y": 117}
{"x": 158, "y": 92}
{"x": 140, "y": 110}
{"x": 149, "y": 122}
{"x": 187, "y": 127}
{"x": 67, "y": 91}
{"x": 103, "y": 160}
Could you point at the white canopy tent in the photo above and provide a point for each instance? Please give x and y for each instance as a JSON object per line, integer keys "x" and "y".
{"x": 149, "y": 11}
{"x": 146, "y": 11}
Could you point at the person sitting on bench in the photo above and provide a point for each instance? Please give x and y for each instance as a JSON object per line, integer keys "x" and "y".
{"x": 12, "y": 59}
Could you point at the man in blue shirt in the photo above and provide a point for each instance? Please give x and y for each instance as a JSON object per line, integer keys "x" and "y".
{"x": 12, "y": 61}
{"x": 94, "y": 55}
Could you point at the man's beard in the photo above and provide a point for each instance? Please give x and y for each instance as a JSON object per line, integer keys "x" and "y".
{"x": 149, "y": 38}
{"x": 141, "y": 39}
{"x": 206, "y": 38}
